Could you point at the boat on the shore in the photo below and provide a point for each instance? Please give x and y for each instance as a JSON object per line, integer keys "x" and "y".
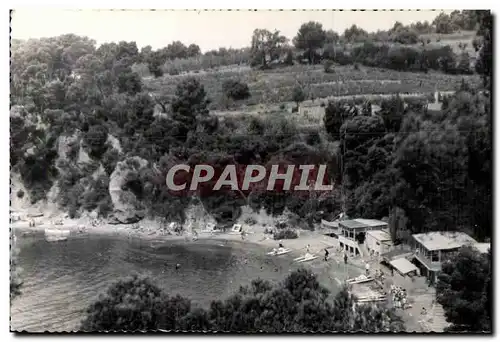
{"x": 358, "y": 280}
{"x": 279, "y": 251}
{"x": 306, "y": 257}
{"x": 52, "y": 235}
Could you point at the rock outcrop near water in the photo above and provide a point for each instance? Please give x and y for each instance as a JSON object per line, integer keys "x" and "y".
{"x": 126, "y": 207}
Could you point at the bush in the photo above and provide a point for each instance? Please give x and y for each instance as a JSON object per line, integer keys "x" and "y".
{"x": 250, "y": 221}
{"x": 282, "y": 106}
{"x": 327, "y": 66}
{"x": 20, "y": 193}
{"x": 298, "y": 95}
{"x": 133, "y": 304}
{"x": 236, "y": 90}
{"x": 285, "y": 234}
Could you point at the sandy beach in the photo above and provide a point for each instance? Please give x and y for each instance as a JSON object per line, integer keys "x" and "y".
{"x": 156, "y": 232}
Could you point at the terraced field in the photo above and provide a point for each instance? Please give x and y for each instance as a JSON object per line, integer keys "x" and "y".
{"x": 274, "y": 87}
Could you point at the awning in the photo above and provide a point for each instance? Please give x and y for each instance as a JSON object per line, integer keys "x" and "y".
{"x": 403, "y": 265}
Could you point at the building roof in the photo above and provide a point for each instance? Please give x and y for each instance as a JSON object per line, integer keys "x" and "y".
{"x": 403, "y": 265}
{"x": 483, "y": 247}
{"x": 361, "y": 223}
{"x": 434, "y": 241}
{"x": 380, "y": 235}
{"x": 371, "y": 223}
{"x": 334, "y": 224}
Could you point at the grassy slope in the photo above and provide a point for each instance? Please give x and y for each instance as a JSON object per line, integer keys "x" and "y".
{"x": 275, "y": 86}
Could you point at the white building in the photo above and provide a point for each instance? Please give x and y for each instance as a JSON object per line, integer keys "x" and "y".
{"x": 378, "y": 242}
{"x": 352, "y": 234}
{"x": 434, "y": 248}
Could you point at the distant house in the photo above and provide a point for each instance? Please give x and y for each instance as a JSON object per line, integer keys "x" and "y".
{"x": 434, "y": 248}
{"x": 352, "y": 234}
{"x": 378, "y": 242}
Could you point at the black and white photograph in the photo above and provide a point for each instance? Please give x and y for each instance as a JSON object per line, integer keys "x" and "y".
{"x": 251, "y": 171}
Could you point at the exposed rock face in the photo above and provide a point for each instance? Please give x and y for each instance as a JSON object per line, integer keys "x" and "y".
{"x": 127, "y": 209}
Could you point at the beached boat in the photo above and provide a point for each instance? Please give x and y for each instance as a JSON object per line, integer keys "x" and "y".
{"x": 279, "y": 251}
{"x": 53, "y": 235}
{"x": 306, "y": 257}
{"x": 361, "y": 279}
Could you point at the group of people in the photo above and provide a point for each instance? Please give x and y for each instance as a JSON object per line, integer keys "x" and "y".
{"x": 399, "y": 296}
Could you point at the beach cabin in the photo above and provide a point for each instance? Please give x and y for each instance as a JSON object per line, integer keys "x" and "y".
{"x": 378, "y": 242}
{"x": 352, "y": 234}
{"x": 434, "y": 248}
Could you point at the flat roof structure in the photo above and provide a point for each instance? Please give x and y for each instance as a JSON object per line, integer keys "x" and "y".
{"x": 380, "y": 235}
{"x": 434, "y": 241}
{"x": 403, "y": 265}
{"x": 362, "y": 223}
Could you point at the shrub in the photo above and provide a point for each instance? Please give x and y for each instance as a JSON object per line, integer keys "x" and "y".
{"x": 285, "y": 234}
{"x": 236, "y": 90}
{"x": 132, "y": 304}
{"x": 250, "y": 221}
{"x": 327, "y": 66}
{"x": 282, "y": 106}
{"x": 298, "y": 95}
{"x": 20, "y": 193}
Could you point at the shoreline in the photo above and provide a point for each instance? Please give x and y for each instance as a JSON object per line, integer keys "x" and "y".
{"x": 152, "y": 231}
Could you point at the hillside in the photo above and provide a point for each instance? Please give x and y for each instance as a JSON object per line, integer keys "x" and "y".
{"x": 88, "y": 134}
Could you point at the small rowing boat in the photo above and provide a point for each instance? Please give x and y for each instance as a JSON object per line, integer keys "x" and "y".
{"x": 279, "y": 251}
{"x": 306, "y": 257}
{"x": 52, "y": 235}
{"x": 361, "y": 279}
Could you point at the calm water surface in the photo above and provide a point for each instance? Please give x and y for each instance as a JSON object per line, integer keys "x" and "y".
{"x": 62, "y": 278}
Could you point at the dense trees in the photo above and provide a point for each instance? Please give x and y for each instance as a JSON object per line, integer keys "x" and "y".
{"x": 465, "y": 291}
{"x": 299, "y": 303}
{"x": 310, "y": 37}
{"x": 133, "y": 304}
{"x": 425, "y": 170}
{"x": 266, "y": 47}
